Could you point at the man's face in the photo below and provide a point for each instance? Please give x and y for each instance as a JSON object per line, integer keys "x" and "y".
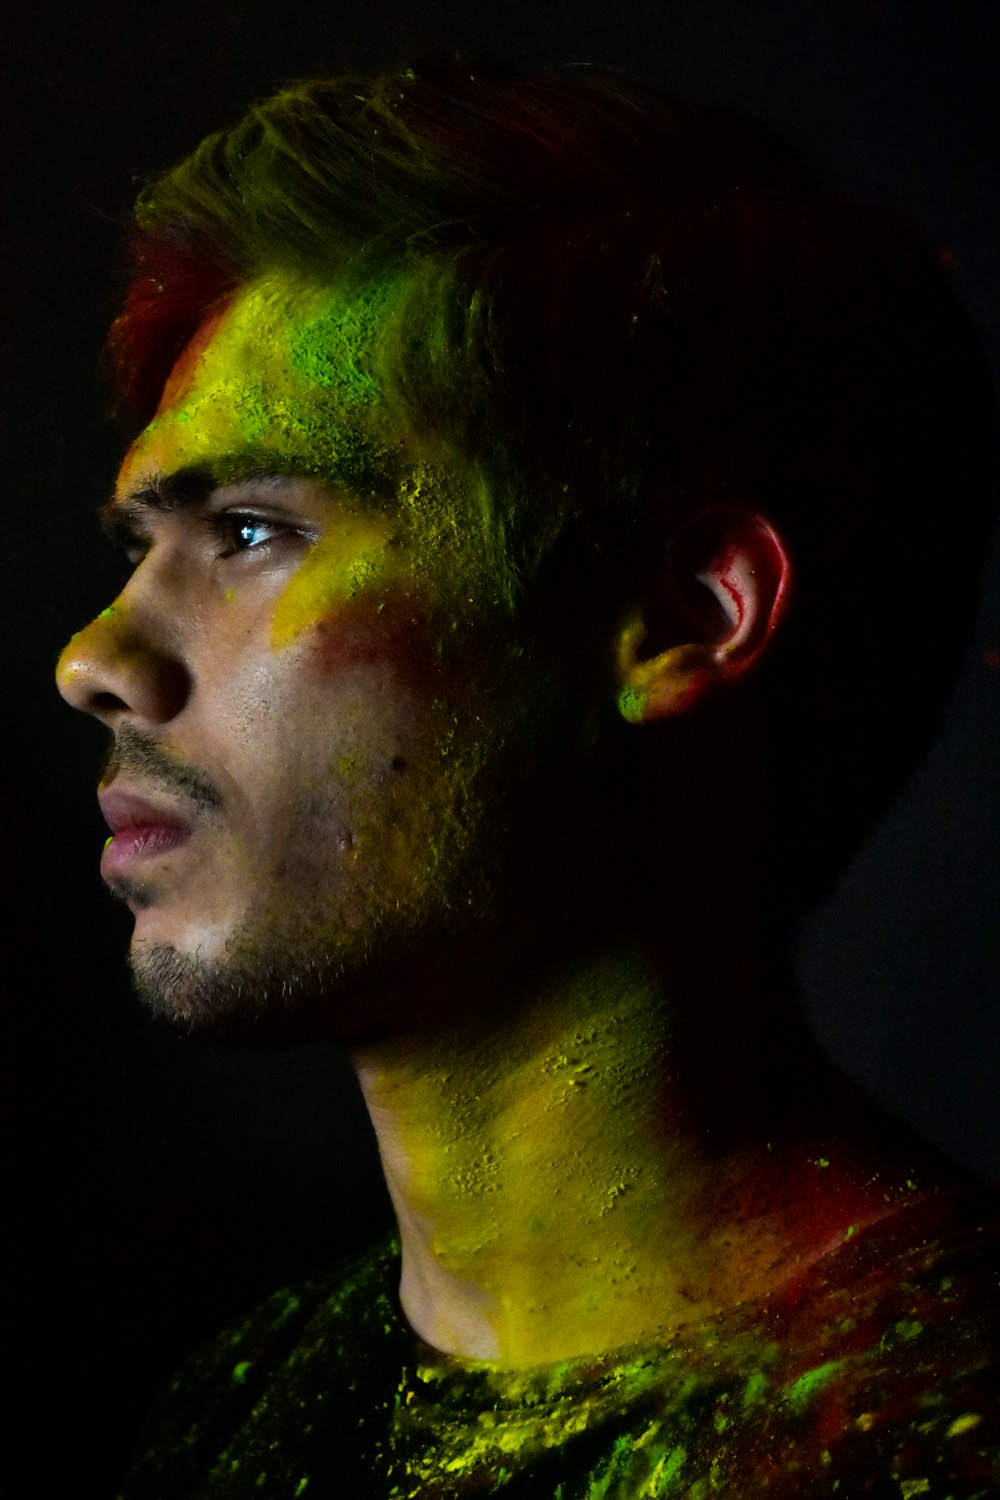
{"x": 309, "y": 692}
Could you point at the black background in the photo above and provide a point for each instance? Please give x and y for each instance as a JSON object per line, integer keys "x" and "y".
{"x": 154, "y": 1186}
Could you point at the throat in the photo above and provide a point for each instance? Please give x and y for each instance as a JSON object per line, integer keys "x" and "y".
{"x": 564, "y": 1187}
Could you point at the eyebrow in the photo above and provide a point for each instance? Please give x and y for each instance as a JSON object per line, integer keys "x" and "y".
{"x": 123, "y": 517}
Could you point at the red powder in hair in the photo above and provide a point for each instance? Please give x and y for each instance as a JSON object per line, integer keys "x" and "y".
{"x": 164, "y": 306}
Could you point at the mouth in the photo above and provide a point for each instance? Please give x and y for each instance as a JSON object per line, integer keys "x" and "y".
{"x": 141, "y": 830}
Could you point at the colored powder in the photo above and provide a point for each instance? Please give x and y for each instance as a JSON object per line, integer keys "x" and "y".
{"x": 964, "y": 1423}
{"x": 800, "y": 1391}
{"x": 348, "y": 559}
{"x": 909, "y": 1329}
{"x": 642, "y": 1422}
{"x": 334, "y": 350}
{"x": 632, "y": 704}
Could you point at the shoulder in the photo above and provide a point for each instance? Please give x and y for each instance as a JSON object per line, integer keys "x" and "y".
{"x": 875, "y": 1376}
{"x": 317, "y": 1347}
{"x": 888, "y": 1354}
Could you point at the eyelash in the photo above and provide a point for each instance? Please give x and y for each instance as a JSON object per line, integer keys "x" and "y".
{"x": 223, "y": 528}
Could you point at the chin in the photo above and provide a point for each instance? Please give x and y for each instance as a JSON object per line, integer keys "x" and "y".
{"x": 250, "y": 995}
{"x": 192, "y": 993}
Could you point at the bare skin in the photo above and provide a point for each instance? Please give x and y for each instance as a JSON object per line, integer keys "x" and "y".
{"x": 306, "y": 685}
{"x": 558, "y": 1195}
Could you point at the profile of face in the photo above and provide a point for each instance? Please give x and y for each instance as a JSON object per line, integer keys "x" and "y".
{"x": 309, "y": 691}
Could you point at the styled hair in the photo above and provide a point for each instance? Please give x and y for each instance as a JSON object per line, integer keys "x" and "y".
{"x": 625, "y": 307}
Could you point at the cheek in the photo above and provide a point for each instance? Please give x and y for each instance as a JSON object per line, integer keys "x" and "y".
{"x": 348, "y": 638}
{"x": 396, "y": 634}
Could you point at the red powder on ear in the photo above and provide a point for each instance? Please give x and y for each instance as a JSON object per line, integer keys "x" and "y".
{"x": 736, "y": 597}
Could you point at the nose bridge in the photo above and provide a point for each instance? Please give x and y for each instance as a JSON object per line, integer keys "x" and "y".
{"x": 122, "y": 664}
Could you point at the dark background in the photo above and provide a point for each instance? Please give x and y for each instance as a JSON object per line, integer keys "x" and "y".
{"x": 155, "y": 1186}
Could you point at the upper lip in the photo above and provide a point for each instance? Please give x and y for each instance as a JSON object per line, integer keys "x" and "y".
{"x": 125, "y": 809}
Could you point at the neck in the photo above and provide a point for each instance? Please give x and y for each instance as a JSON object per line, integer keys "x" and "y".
{"x": 586, "y": 1176}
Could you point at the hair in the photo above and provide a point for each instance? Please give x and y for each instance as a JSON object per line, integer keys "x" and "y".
{"x": 626, "y": 306}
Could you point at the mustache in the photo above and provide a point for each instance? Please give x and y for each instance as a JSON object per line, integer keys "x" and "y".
{"x": 132, "y": 750}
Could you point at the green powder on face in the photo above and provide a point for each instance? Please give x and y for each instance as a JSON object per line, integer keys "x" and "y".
{"x": 253, "y": 413}
{"x": 300, "y": 423}
{"x": 334, "y": 350}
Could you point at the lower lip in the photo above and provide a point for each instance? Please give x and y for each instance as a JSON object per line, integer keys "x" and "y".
{"x": 141, "y": 841}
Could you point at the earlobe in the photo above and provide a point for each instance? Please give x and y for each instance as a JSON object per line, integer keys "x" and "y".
{"x": 728, "y": 583}
{"x": 660, "y": 686}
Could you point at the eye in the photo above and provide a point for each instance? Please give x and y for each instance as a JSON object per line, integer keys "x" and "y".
{"x": 237, "y": 531}
{"x": 128, "y": 541}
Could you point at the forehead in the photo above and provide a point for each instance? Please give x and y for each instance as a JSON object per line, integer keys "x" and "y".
{"x": 294, "y": 373}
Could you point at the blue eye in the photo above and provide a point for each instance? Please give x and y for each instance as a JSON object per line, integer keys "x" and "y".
{"x": 238, "y": 532}
{"x": 248, "y": 533}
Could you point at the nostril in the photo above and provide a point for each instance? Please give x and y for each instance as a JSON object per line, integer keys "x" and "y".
{"x": 103, "y": 705}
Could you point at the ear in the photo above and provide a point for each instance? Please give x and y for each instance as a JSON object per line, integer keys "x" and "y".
{"x": 723, "y": 595}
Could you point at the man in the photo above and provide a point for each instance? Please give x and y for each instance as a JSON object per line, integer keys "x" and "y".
{"x": 554, "y": 522}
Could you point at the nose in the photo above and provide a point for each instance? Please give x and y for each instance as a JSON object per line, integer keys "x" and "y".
{"x": 115, "y": 669}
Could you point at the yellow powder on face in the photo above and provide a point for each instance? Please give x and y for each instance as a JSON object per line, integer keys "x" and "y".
{"x": 295, "y": 372}
{"x": 250, "y": 378}
{"x": 353, "y": 556}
